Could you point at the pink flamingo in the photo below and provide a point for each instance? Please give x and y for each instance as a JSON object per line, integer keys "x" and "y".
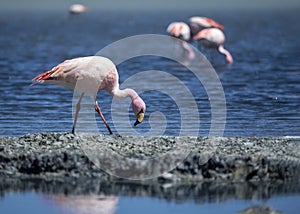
{"x": 182, "y": 31}
{"x": 91, "y": 75}
{"x": 179, "y": 30}
{"x": 77, "y": 9}
{"x": 201, "y": 23}
{"x": 214, "y": 38}
{"x": 187, "y": 32}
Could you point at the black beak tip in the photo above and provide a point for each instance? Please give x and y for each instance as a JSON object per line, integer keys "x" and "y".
{"x": 136, "y": 122}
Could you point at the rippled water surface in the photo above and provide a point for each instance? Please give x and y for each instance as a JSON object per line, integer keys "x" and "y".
{"x": 261, "y": 88}
{"x": 262, "y": 91}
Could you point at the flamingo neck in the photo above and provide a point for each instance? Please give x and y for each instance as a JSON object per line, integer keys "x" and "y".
{"x": 122, "y": 94}
{"x": 229, "y": 58}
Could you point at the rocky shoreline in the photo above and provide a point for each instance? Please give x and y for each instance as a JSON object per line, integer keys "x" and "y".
{"x": 60, "y": 156}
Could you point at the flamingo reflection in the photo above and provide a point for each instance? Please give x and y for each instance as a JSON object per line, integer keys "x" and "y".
{"x": 85, "y": 204}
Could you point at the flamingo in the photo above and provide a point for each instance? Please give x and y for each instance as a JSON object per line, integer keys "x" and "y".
{"x": 181, "y": 31}
{"x": 90, "y": 75}
{"x": 186, "y": 31}
{"x": 77, "y": 9}
{"x": 198, "y": 23}
{"x": 214, "y": 38}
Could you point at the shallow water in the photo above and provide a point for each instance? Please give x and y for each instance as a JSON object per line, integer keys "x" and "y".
{"x": 261, "y": 87}
{"x": 96, "y": 197}
{"x": 70, "y": 204}
{"x": 262, "y": 90}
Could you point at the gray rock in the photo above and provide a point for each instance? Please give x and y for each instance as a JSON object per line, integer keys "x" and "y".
{"x": 259, "y": 210}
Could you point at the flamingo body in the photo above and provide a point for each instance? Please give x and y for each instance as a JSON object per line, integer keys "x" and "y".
{"x": 205, "y": 22}
{"x": 91, "y": 75}
{"x": 181, "y": 31}
{"x": 214, "y": 38}
{"x": 77, "y": 9}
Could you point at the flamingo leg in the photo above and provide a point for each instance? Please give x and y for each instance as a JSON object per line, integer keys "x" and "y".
{"x": 190, "y": 51}
{"x": 76, "y": 113}
{"x": 97, "y": 109}
{"x": 212, "y": 56}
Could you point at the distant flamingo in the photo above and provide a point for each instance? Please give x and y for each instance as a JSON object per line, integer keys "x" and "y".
{"x": 187, "y": 32}
{"x": 198, "y": 23}
{"x": 179, "y": 30}
{"x": 77, "y": 8}
{"x": 91, "y": 75}
{"x": 182, "y": 31}
{"x": 214, "y": 38}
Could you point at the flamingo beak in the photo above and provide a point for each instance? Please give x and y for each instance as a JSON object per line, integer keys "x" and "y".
{"x": 139, "y": 118}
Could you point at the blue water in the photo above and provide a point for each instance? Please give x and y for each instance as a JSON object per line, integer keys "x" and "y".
{"x": 71, "y": 204}
{"x": 261, "y": 88}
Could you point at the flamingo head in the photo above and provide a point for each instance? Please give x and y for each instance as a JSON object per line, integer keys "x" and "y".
{"x": 139, "y": 109}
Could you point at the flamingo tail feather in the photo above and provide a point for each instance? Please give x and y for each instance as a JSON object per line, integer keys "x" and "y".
{"x": 44, "y": 76}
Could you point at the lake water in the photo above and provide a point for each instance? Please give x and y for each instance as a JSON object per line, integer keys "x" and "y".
{"x": 262, "y": 90}
{"x": 96, "y": 197}
{"x": 63, "y": 204}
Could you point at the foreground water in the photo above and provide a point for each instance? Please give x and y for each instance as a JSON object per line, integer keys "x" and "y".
{"x": 97, "y": 197}
{"x": 262, "y": 91}
{"x": 70, "y": 204}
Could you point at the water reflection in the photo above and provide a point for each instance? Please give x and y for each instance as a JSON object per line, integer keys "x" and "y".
{"x": 104, "y": 191}
{"x": 84, "y": 204}
{"x": 116, "y": 197}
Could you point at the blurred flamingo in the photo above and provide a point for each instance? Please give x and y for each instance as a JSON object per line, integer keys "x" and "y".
{"x": 91, "y": 75}
{"x": 181, "y": 31}
{"x": 187, "y": 32}
{"x": 198, "y": 23}
{"x": 214, "y": 38}
{"x": 84, "y": 204}
{"x": 77, "y": 9}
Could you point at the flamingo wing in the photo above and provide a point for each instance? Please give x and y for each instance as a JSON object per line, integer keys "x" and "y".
{"x": 205, "y": 22}
{"x": 66, "y": 71}
{"x": 203, "y": 34}
{"x": 213, "y": 23}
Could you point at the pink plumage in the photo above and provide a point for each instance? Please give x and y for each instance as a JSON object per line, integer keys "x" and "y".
{"x": 214, "y": 38}
{"x": 91, "y": 75}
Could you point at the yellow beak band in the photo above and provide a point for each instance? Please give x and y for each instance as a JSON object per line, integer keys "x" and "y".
{"x": 139, "y": 118}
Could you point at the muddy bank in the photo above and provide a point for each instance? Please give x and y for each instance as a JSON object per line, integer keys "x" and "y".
{"x": 59, "y": 156}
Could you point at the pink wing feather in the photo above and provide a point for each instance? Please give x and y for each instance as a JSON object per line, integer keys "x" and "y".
{"x": 214, "y": 23}
{"x": 43, "y": 76}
